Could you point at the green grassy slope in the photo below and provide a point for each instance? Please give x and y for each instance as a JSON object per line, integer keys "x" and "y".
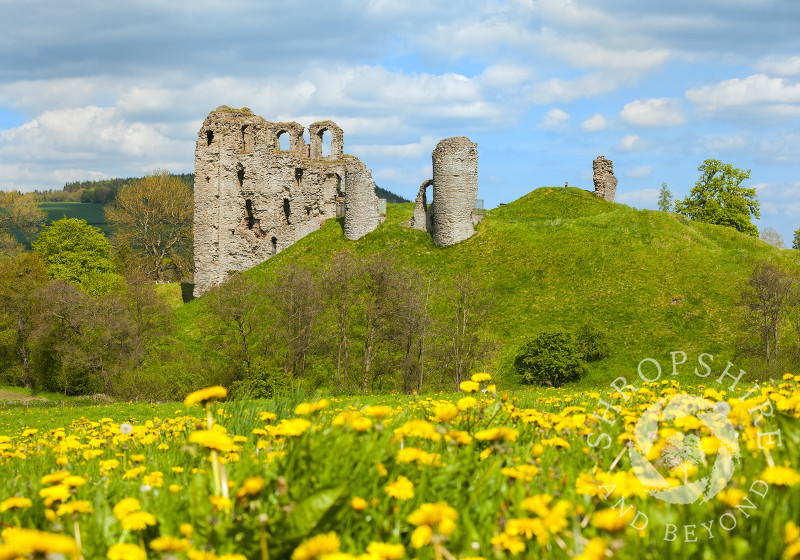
{"x": 655, "y": 282}
{"x": 91, "y": 212}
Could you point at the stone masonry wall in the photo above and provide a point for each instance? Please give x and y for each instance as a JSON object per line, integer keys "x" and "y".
{"x": 362, "y": 206}
{"x": 605, "y": 184}
{"x": 455, "y": 189}
{"x": 253, "y": 200}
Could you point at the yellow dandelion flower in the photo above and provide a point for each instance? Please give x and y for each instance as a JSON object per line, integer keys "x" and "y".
{"x": 466, "y": 403}
{"x": 458, "y": 436}
{"x": 54, "y": 477}
{"x": 316, "y": 547}
{"x": 212, "y": 439}
{"x": 595, "y": 550}
{"x": 612, "y": 520}
{"x": 126, "y": 551}
{"x": 511, "y": 543}
{"x": 195, "y": 554}
{"x": 266, "y": 416}
{"x": 52, "y": 494}
{"x": 496, "y": 434}
{"x": 71, "y": 508}
{"x": 28, "y": 542}
{"x": 731, "y": 497}
{"x": 221, "y": 503}
{"x": 186, "y": 530}
{"x": 439, "y": 516}
{"x": 556, "y": 442}
{"x": 444, "y": 412}
{"x": 169, "y": 544}
{"x": 175, "y": 488}
{"x": 522, "y": 472}
{"x": 379, "y": 412}
{"x": 138, "y": 521}
{"x": 232, "y": 556}
{"x": 15, "y": 503}
{"x": 125, "y": 507}
{"x": 358, "y": 503}
{"x": 400, "y": 489}
{"x": 385, "y": 551}
{"x": 135, "y": 472}
{"x": 421, "y": 536}
{"x": 469, "y": 386}
{"x": 109, "y": 465}
{"x": 780, "y": 476}
{"x": 305, "y": 409}
{"x": 206, "y": 395}
{"x": 251, "y": 486}
{"x": 292, "y": 428}
{"x": 481, "y": 377}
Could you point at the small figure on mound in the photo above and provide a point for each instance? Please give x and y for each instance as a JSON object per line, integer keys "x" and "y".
{"x": 566, "y": 184}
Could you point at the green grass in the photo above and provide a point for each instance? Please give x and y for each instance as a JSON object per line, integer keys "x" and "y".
{"x": 655, "y": 282}
{"x": 91, "y": 212}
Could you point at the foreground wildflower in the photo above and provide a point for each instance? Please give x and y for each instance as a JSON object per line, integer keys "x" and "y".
{"x": 204, "y": 396}
{"x": 438, "y": 517}
{"x": 211, "y": 439}
{"x": 126, "y": 551}
{"x": 138, "y": 521}
{"x": 25, "y": 542}
{"x": 317, "y": 546}
{"x": 386, "y": 551}
{"x": 126, "y": 506}
{"x": 169, "y": 544}
{"x": 15, "y": 503}
{"x": 304, "y": 409}
{"x": 401, "y": 489}
{"x": 780, "y": 476}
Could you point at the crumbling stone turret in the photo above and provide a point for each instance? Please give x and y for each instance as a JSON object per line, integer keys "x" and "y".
{"x": 252, "y": 199}
{"x": 605, "y": 184}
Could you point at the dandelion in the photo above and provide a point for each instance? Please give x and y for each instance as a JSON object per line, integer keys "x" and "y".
{"x": 28, "y": 542}
{"x": 126, "y": 551}
{"x": 469, "y": 386}
{"x": 205, "y": 396}
{"x": 612, "y": 520}
{"x": 138, "y": 521}
{"x": 169, "y": 544}
{"x": 438, "y": 516}
{"x": 379, "y": 412}
{"x": 481, "y": 377}
{"x": 496, "y": 434}
{"x": 304, "y": 409}
{"x": 444, "y": 412}
{"x": 76, "y": 507}
{"x": 15, "y": 503}
{"x": 316, "y": 547}
{"x": 400, "y": 489}
{"x": 292, "y": 428}
{"x": 385, "y": 551}
{"x": 358, "y": 503}
{"x": 125, "y": 429}
{"x": 780, "y": 476}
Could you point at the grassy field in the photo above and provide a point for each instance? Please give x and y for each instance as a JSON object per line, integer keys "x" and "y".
{"x": 91, "y": 212}
{"x": 655, "y": 282}
{"x": 480, "y": 474}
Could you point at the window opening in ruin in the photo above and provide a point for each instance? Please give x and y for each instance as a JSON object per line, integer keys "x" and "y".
{"x": 246, "y": 139}
{"x": 325, "y": 137}
{"x": 209, "y": 137}
{"x": 298, "y": 175}
{"x": 287, "y": 209}
{"x": 284, "y": 143}
{"x": 274, "y": 246}
{"x": 308, "y": 210}
{"x": 248, "y": 207}
{"x": 425, "y": 200}
{"x": 339, "y": 185}
{"x": 240, "y": 176}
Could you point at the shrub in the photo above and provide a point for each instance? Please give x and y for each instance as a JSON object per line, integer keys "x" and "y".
{"x": 267, "y": 381}
{"x": 553, "y": 358}
{"x": 593, "y": 342}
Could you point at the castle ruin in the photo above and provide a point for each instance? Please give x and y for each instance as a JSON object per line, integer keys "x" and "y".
{"x": 252, "y": 199}
{"x": 605, "y": 184}
{"x": 450, "y": 216}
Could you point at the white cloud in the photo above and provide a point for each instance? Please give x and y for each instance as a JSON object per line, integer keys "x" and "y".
{"x": 557, "y": 90}
{"x": 640, "y": 172}
{"x": 505, "y": 75}
{"x": 644, "y": 198}
{"x": 630, "y": 142}
{"x": 553, "y": 119}
{"x": 422, "y": 148}
{"x": 662, "y": 111}
{"x": 595, "y": 123}
{"x": 594, "y": 54}
{"x": 737, "y": 92}
{"x": 781, "y": 66}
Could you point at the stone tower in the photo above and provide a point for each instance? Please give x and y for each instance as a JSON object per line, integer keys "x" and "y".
{"x": 252, "y": 199}
{"x": 605, "y": 184}
{"x": 449, "y": 218}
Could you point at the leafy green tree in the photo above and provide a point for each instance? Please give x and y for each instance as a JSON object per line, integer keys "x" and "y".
{"x": 796, "y": 241}
{"x": 19, "y": 212}
{"x": 78, "y": 253}
{"x": 718, "y": 197}
{"x": 154, "y": 217}
{"x": 553, "y": 358}
{"x": 664, "y": 199}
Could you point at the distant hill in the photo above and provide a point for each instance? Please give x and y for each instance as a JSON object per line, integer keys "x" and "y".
{"x": 655, "y": 282}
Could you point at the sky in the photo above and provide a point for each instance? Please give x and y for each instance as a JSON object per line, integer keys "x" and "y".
{"x": 97, "y": 89}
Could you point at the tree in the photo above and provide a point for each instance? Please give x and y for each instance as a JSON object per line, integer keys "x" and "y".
{"x": 796, "y": 241}
{"x": 78, "y": 253}
{"x": 766, "y": 300}
{"x": 664, "y": 199}
{"x": 153, "y": 216}
{"x": 771, "y": 236}
{"x": 552, "y": 358}
{"x": 718, "y": 197}
{"x": 18, "y": 212}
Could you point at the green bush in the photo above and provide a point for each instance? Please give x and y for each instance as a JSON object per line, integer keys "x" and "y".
{"x": 593, "y": 342}
{"x": 267, "y": 381}
{"x": 553, "y": 358}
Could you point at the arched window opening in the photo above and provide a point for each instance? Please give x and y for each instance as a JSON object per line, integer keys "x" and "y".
{"x": 284, "y": 143}
{"x": 425, "y": 200}
{"x": 209, "y": 137}
{"x": 298, "y": 175}
{"x": 326, "y": 138}
{"x": 287, "y": 209}
{"x": 248, "y": 207}
{"x": 274, "y": 246}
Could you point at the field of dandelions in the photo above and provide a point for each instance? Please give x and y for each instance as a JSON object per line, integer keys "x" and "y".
{"x": 477, "y": 474}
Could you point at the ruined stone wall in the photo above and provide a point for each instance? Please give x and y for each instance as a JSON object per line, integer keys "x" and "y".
{"x": 253, "y": 200}
{"x": 423, "y": 213}
{"x": 455, "y": 189}
{"x": 362, "y": 207}
{"x": 605, "y": 184}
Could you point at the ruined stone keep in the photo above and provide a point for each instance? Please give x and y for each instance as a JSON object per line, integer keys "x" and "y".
{"x": 252, "y": 199}
{"x": 449, "y": 218}
{"x": 605, "y": 184}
